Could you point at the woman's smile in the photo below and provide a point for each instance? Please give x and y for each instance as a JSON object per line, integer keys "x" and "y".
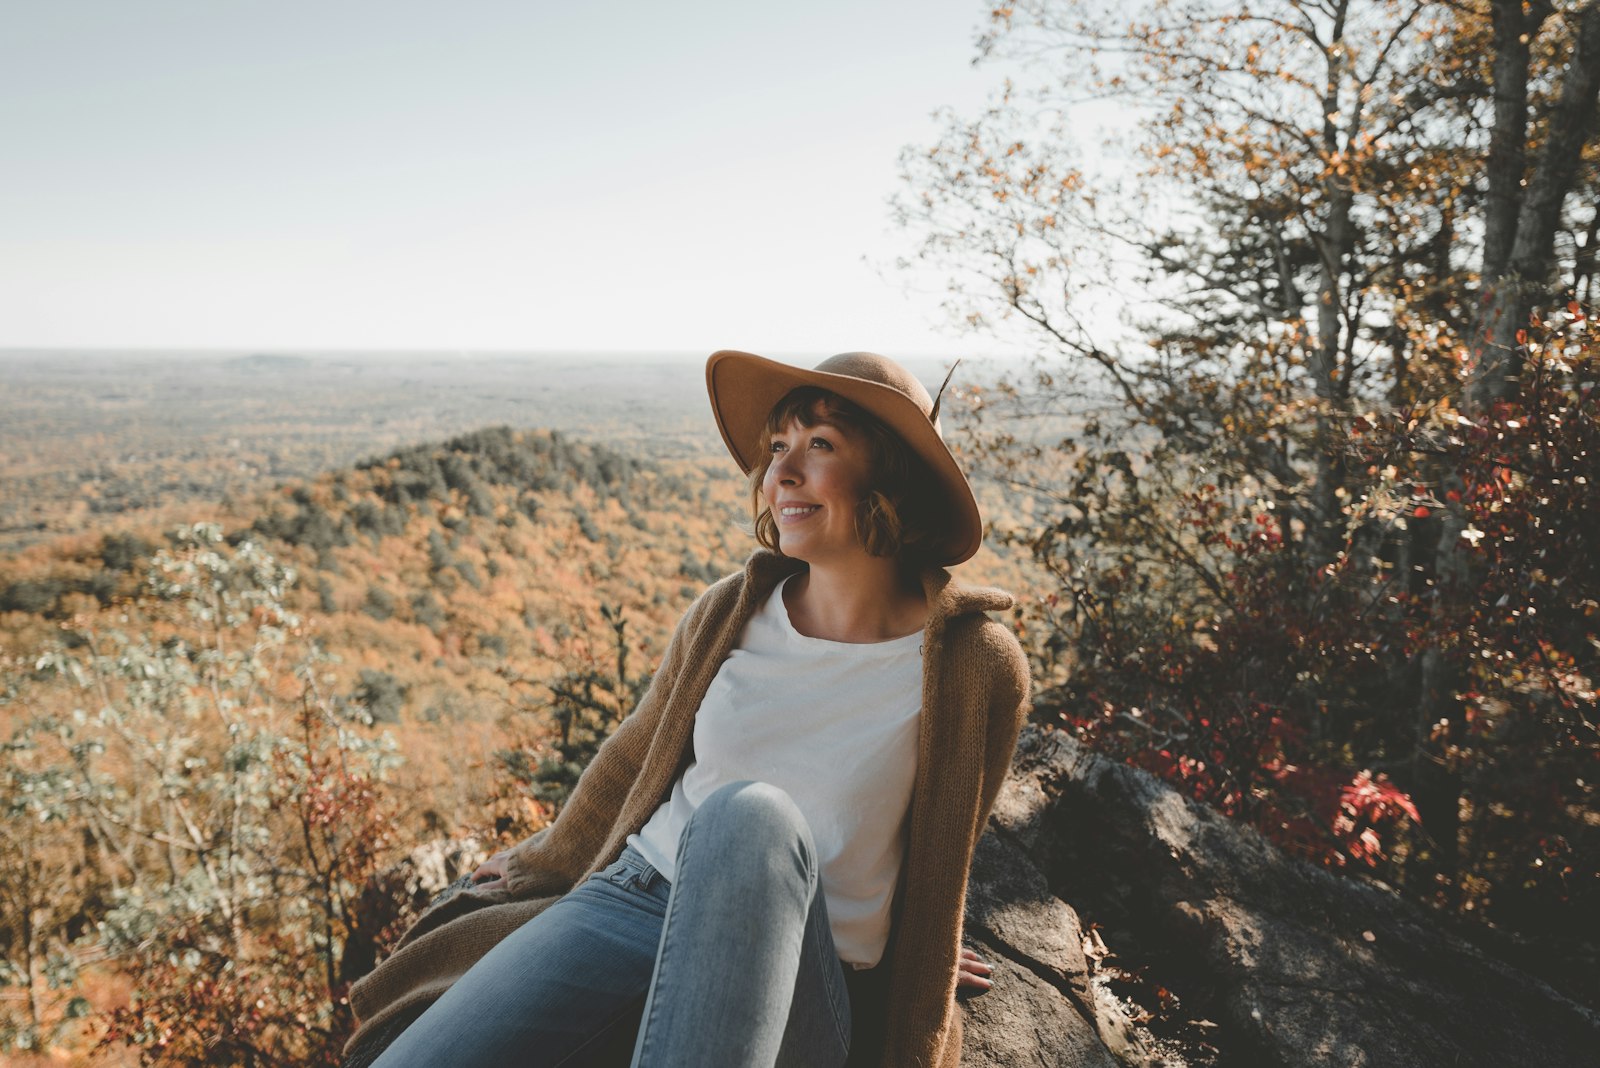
{"x": 814, "y": 482}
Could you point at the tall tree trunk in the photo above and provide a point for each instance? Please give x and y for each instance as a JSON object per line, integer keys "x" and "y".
{"x": 1520, "y": 225}
{"x": 1512, "y": 288}
{"x": 1514, "y": 30}
{"x": 1334, "y": 245}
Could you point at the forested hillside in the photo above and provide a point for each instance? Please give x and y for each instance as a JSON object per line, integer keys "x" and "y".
{"x": 140, "y": 437}
{"x": 217, "y": 735}
{"x": 443, "y": 558}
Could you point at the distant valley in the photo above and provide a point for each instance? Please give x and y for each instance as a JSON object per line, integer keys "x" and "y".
{"x": 86, "y": 435}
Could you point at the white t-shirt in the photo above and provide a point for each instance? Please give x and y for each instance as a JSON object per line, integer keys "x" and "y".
{"x": 835, "y": 725}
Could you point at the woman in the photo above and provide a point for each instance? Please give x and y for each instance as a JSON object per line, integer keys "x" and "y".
{"x": 766, "y": 862}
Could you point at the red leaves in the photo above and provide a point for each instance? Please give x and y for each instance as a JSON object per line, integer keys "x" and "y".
{"x": 1374, "y": 799}
{"x": 1279, "y": 684}
{"x": 276, "y": 996}
{"x": 225, "y": 1016}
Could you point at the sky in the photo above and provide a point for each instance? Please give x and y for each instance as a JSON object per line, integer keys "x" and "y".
{"x": 472, "y": 175}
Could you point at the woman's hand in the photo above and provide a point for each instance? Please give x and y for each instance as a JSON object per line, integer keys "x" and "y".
{"x": 973, "y": 971}
{"x": 491, "y": 870}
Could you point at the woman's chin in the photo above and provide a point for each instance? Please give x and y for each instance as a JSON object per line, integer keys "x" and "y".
{"x": 808, "y": 551}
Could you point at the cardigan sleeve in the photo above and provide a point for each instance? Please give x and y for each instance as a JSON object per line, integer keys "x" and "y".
{"x": 552, "y": 860}
{"x": 988, "y": 676}
{"x": 1009, "y": 705}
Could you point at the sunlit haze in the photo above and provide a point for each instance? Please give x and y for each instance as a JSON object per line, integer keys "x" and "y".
{"x": 485, "y": 174}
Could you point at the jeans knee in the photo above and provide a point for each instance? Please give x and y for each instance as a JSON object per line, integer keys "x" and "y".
{"x": 757, "y": 814}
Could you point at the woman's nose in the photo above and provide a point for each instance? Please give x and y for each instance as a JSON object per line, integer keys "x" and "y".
{"x": 785, "y": 470}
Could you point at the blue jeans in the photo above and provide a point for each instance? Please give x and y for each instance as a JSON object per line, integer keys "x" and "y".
{"x": 733, "y": 964}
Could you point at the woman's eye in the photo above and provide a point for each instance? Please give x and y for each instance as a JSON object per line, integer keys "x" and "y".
{"x": 776, "y": 446}
{"x": 821, "y": 443}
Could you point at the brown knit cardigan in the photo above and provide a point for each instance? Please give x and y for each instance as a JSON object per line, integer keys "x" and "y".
{"x": 974, "y": 698}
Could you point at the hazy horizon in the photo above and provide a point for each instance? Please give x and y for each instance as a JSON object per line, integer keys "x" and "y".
{"x": 89, "y": 436}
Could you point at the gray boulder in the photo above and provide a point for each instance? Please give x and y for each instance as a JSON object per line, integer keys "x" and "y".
{"x": 1265, "y": 959}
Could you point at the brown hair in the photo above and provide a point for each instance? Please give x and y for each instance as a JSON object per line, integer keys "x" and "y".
{"x": 896, "y": 515}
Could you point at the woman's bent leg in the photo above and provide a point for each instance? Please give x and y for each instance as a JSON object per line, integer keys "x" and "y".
{"x": 551, "y": 993}
{"x": 747, "y": 974}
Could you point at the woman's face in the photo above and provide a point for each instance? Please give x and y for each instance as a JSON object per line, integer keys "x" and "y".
{"x": 816, "y": 477}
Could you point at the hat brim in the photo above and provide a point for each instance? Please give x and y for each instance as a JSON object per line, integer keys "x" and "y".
{"x": 745, "y": 388}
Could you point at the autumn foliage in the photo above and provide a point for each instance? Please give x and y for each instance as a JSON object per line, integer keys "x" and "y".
{"x": 1281, "y": 705}
{"x": 1317, "y": 504}
{"x": 224, "y": 745}
{"x": 211, "y": 817}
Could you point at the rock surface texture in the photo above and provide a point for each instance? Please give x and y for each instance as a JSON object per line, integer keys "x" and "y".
{"x": 1262, "y": 959}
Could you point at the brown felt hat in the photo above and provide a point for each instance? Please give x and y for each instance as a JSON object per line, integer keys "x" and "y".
{"x": 745, "y": 388}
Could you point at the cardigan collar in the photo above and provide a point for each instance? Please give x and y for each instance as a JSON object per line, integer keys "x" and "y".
{"x": 947, "y": 598}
